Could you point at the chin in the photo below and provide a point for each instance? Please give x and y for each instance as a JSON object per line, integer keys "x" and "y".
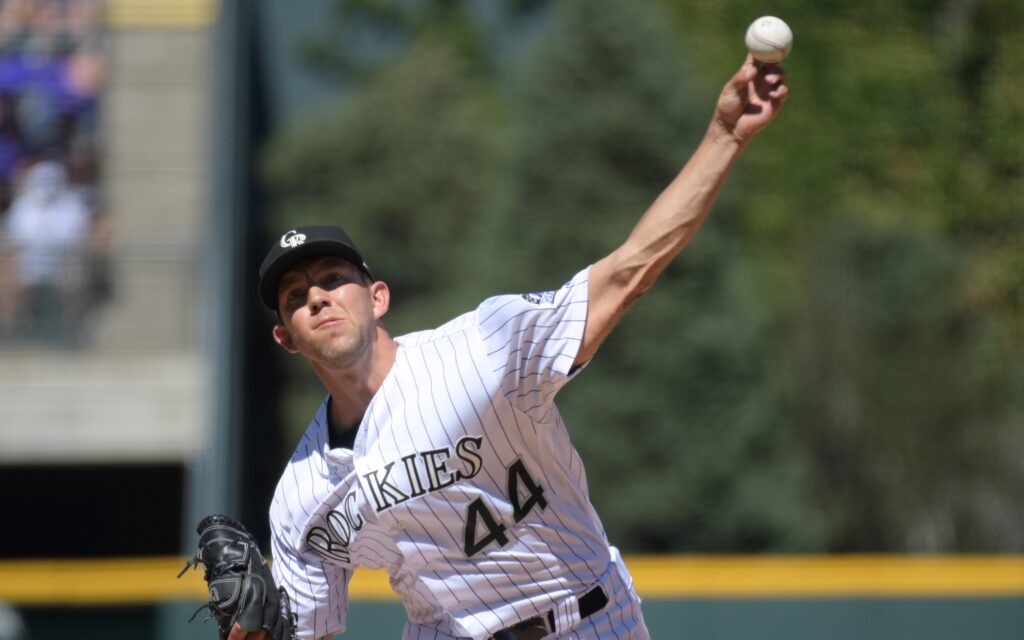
{"x": 338, "y": 354}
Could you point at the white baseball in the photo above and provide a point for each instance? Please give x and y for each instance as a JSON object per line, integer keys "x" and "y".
{"x": 769, "y": 39}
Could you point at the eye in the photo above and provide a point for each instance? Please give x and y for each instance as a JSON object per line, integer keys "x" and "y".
{"x": 293, "y": 295}
{"x": 333, "y": 278}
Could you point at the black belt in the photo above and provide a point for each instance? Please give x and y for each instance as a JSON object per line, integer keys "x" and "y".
{"x": 539, "y": 626}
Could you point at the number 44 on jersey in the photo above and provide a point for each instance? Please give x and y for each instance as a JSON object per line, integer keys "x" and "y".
{"x": 482, "y": 528}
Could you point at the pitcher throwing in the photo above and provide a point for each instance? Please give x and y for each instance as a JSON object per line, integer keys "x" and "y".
{"x": 440, "y": 455}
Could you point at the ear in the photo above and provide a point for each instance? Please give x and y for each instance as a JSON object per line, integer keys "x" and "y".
{"x": 380, "y": 294}
{"x": 284, "y": 338}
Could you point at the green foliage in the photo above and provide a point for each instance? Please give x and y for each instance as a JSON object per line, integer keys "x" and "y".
{"x": 834, "y": 364}
{"x": 893, "y": 209}
{"x": 905, "y": 400}
{"x": 606, "y": 110}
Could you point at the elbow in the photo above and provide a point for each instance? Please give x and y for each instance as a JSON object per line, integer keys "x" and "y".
{"x": 644, "y": 281}
{"x": 636, "y": 268}
{"x": 635, "y": 290}
{"x": 634, "y": 280}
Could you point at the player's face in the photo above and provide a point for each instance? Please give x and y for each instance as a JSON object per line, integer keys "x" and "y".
{"x": 329, "y": 311}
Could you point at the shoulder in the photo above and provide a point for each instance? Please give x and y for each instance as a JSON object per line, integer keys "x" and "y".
{"x": 499, "y": 311}
{"x": 459, "y": 324}
{"x": 507, "y": 313}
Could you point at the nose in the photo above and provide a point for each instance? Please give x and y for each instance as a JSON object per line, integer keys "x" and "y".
{"x": 317, "y": 299}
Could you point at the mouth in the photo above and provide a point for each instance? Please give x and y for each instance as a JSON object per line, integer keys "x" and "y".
{"x": 326, "y": 322}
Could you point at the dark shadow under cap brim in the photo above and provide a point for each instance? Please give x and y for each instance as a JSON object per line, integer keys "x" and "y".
{"x": 299, "y": 244}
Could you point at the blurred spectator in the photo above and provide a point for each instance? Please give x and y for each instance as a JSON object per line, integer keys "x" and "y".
{"x": 51, "y": 57}
{"x": 53, "y": 250}
{"x": 46, "y": 232}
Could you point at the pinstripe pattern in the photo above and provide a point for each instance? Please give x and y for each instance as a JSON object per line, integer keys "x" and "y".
{"x": 464, "y": 418}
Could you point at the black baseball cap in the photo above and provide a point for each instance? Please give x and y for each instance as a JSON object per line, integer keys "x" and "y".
{"x": 304, "y": 242}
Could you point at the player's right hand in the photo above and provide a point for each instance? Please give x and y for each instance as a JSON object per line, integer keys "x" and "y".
{"x": 751, "y": 99}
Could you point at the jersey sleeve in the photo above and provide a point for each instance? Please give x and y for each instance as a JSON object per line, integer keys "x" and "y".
{"x": 318, "y": 591}
{"x": 532, "y": 341}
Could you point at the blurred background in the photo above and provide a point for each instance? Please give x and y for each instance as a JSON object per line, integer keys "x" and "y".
{"x": 812, "y": 427}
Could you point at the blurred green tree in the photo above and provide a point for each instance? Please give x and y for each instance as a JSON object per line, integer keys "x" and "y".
{"x": 892, "y": 218}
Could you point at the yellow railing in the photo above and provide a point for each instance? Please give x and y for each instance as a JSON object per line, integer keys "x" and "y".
{"x": 161, "y": 13}
{"x": 814, "y": 576}
{"x": 124, "y": 581}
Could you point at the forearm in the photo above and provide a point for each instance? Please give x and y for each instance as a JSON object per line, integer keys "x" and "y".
{"x": 667, "y": 226}
{"x": 674, "y": 218}
{"x": 748, "y": 102}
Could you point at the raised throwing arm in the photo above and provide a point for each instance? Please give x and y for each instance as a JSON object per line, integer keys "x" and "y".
{"x": 748, "y": 102}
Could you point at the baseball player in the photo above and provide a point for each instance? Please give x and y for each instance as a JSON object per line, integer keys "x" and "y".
{"x": 440, "y": 456}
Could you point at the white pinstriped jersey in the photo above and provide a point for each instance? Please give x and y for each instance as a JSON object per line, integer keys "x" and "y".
{"x": 462, "y": 483}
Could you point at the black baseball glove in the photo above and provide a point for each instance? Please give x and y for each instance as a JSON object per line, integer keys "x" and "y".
{"x": 241, "y": 587}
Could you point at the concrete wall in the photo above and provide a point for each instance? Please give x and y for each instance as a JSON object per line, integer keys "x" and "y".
{"x": 684, "y": 619}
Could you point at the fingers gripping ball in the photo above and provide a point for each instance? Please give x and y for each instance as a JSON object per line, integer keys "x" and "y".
{"x": 769, "y": 39}
{"x": 241, "y": 586}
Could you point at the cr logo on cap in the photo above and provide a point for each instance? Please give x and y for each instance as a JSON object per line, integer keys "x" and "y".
{"x": 292, "y": 239}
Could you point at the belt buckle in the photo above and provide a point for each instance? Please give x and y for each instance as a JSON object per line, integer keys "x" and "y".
{"x": 540, "y": 626}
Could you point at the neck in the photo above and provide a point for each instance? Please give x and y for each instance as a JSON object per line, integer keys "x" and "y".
{"x": 352, "y": 388}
